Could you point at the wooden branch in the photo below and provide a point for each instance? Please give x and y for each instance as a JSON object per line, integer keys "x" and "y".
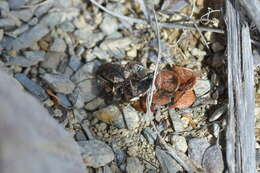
{"x": 240, "y": 134}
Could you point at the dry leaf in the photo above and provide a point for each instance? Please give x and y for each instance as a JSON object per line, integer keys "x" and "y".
{"x": 161, "y": 99}
{"x": 167, "y": 81}
{"x": 185, "y": 100}
{"x": 53, "y": 97}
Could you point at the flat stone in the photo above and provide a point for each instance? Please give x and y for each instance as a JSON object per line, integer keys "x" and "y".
{"x": 109, "y": 25}
{"x": 133, "y": 165}
{"x": 213, "y": 160}
{"x": 101, "y": 54}
{"x": 77, "y": 99}
{"x": 87, "y": 71}
{"x": 7, "y": 23}
{"x": 202, "y": 87}
{"x": 197, "y": 147}
{"x": 131, "y": 117}
{"x": 30, "y": 58}
{"x": 88, "y": 89}
{"x": 30, "y": 37}
{"x": 179, "y": 142}
{"x": 67, "y": 27}
{"x": 24, "y": 15}
{"x": 58, "y": 45}
{"x": 168, "y": 164}
{"x": 96, "y": 153}
{"x": 19, "y": 30}
{"x": 218, "y": 113}
{"x": 31, "y": 86}
{"x": 75, "y": 62}
{"x": 59, "y": 83}
{"x": 44, "y": 8}
{"x": 120, "y": 155}
{"x": 172, "y": 6}
{"x": 149, "y": 135}
{"x": 95, "y": 104}
{"x": 88, "y": 38}
{"x": 114, "y": 44}
{"x": 53, "y": 60}
{"x": 176, "y": 121}
{"x": 64, "y": 101}
{"x": 16, "y": 4}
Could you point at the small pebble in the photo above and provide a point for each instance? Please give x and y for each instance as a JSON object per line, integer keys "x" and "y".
{"x": 213, "y": 160}
{"x": 115, "y": 44}
{"x": 131, "y": 117}
{"x": 31, "y": 86}
{"x": 196, "y": 149}
{"x": 108, "y": 114}
{"x": 58, "y": 45}
{"x": 89, "y": 39}
{"x": 133, "y": 165}
{"x": 96, "y": 153}
{"x": 53, "y": 59}
{"x": 109, "y": 25}
{"x": 167, "y": 163}
{"x": 59, "y": 83}
{"x": 179, "y": 142}
{"x": 202, "y": 87}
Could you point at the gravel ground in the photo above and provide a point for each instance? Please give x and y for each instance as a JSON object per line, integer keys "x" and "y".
{"x": 54, "y": 47}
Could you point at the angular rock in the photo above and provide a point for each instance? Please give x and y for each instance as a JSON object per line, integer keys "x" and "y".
{"x": 176, "y": 121}
{"x": 109, "y": 25}
{"x": 114, "y": 44}
{"x": 44, "y": 8}
{"x": 24, "y": 15}
{"x": 96, "y": 153}
{"x": 75, "y": 62}
{"x": 29, "y": 38}
{"x": 133, "y": 165}
{"x": 196, "y": 149}
{"x": 7, "y": 23}
{"x": 64, "y": 101}
{"x": 33, "y": 141}
{"x": 67, "y": 27}
{"x": 213, "y": 160}
{"x": 88, "y": 89}
{"x": 149, "y": 135}
{"x": 120, "y": 155}
{"x": 87, "y": 71}
{"x": 59, "y": 83}
{"x": 179, "y": 142}
{"x": 108, "y": 114}
{"x": 101, "y": 54}
{"x": 21, "y": 29}
{"x": 77, "y": 98}
{"x": 95, "y": 104}
{"x": 218, "y": 113}
{"x": 167, "y": 163}
{"x": 88, "y": 38}
{"x": 58, "y": 45}
{"x": 53, "y": 59}
{"x": 16, "y": 4}
{"x": 131, "y": 117}
{"x": 31, "y": 86}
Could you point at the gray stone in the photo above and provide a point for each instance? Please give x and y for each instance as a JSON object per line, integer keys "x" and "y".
{"x": 80, "y": 115}
{"x": 4, "y": 6}
{"x": 101, "y": 54}
{"x": 75, "y": 62}
{"x": 134, "y": 165}
{"x": 176, "y": 120}
{"x": 7, "y": 23}
{"x": 19, "y": 30}
{"x": 1, "y": 34}
{"x": 53, "y": 60}
{"x": 30, "y": 37}
{"x": 88, "y": 38}
{"x": 33, "y": 141}
{"x": 131, "y": 117}
{"x": 58, "y": 45}
{"x": 218, "y": 113}
{"x": 59, "y": 83}
{"x": 108, "y": 114}
{"x": 30, "y": 58}
{"x": 44, "y": 8}
{"x": 202, "y": 87}
{"x": 24, "y": 15}
{"x": 115, "y": 44}
{"x": 31, "y": 86}
{"x": 170, "y": 6}
{"x": 77, "y": 99}
{"x": 197, "y": 147}
{"x": 87, "y": 71}
{"x": 120, "y": 155}
{"x": 56, "y": 18}
{"x": 64, "y": 101}
{"x": 88, "y": 89}
{"x": 149, "y": 135}
{"x": 85, "y": 126}
{"x": 33, "y": 21}
{"x": 16, "y": 4}
{"x": 213, "y": 160}
{"x": 67, "y": 27}
{"x": 80, "y": 136}
{"x": 167, "y": 163}
{"x": 95, "y": 104}
{"x": 179, "y": 142}
{"x": 96, "y": 153}
{"x": 109, "y": 25}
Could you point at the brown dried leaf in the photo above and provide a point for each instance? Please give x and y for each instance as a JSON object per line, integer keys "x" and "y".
{"x": 167, "y": 81}
{"x": 53, "y": 97}
{"x": 161, "y": 99}
{"x": 184, "y": 99}
{"x": 187, "y": 77}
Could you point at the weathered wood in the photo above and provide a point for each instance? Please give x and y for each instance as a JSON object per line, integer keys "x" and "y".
{"x": 240, "y": 135}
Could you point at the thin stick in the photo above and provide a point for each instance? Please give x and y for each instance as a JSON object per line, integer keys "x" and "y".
{"x": 201, "y": 35}
{"x": 144, "y": 9}
{"x": 167, "y": 25}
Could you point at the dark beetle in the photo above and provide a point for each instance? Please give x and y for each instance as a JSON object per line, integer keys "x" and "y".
{"x": 123, "y": 83}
